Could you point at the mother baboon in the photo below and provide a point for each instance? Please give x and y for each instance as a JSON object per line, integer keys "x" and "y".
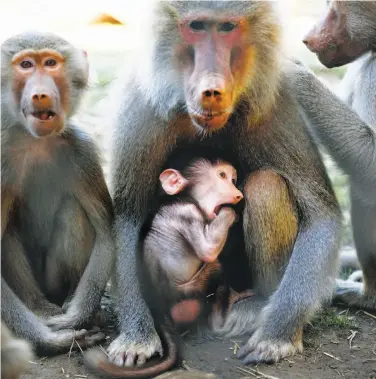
{"x": 214, "y": 75}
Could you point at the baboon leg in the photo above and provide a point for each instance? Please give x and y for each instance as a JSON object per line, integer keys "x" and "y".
{"x": 270, "y": 228}
{"x": 69, "y": 253}
{"x": 270, "y": 231}
{"x": 84, "y": 262}
{"x": 362, "y": 295}
{"x": 18, "y": 274}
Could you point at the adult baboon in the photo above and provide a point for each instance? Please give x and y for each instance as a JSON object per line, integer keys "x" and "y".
{"x": 214, "y": 76}
{"x": 347, "y": 33}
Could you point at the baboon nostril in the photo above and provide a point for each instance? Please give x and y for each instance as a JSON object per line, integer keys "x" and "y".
{"x": 210, "y": 93}
{"x": 41, "y": 96}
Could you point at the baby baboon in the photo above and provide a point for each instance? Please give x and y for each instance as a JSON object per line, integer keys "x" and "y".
{"x": 181, "y": 244}
{"x": 189, "y": 231}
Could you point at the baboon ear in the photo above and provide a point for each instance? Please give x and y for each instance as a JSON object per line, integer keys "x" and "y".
{"x": 172, "y": 181}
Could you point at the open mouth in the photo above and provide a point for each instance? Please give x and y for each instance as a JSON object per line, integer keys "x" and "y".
{"x": 44, "y": 115}
{"x": 217, "y": 209}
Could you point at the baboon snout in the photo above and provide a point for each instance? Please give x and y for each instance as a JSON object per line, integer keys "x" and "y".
{"x": 41, "y": 99}
{"x": 213, "y": 93}
{"x": 312, "y": 42}
{"x": 238, "y": 197}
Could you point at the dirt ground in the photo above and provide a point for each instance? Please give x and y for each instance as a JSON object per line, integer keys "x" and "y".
{"x": 339, "y": 343}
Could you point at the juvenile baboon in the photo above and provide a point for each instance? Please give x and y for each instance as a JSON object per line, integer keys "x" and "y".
{"x": 214, "y": 76}
{"x": 348, "y": 33}
{"x": 56, "y": 237}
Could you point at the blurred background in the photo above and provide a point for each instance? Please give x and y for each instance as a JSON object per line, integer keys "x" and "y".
{"x": 110, "y": 30}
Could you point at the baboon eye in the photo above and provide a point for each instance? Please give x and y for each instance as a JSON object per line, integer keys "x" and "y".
{"x": 50, "y": 62}
{"x": 222, "y": 175}
{"x": 26, "y": 64}
{"x": 227, "y": 27}
{"x": 197, "y": 25}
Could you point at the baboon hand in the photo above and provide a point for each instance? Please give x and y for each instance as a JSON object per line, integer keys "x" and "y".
{"x": 228, "y": 213}
{"x": 128, "y": 351}
{"x": 73, "y": 319}
{"x": 263, "y": 349}
{"x": 356, "y": 276}
{"x": 345, "y": 289}
{"x": 354, "y": 293}
{"x": 238, "y": 320}
{"x": 83, "y": 338}
{"x": 225, "y": 301}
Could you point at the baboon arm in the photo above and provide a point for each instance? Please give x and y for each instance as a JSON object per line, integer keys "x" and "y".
{"x": 7, "y": 201}
{"x": 308, "y": 278}
{"x": 312, "y": 264}
{"x": 140, "y": 151}
{"x": 307, "y": 281}
{"x": 127, "y": 281}
{"x": 14, "y": 312}
{"x": 209, "y": 239}
{"x": 350, "y": 141}
{"x": 25, "y": 324}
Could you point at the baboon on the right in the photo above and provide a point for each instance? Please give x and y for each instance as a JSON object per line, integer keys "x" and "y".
{"x": 347, "y": 33}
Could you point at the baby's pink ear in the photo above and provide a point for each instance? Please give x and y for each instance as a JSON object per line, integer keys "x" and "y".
{"x": 172, "y": 181}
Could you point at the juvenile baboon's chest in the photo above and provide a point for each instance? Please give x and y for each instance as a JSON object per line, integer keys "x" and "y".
{"x": 43, "y": 177}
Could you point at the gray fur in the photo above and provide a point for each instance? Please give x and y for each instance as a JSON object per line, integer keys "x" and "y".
{"x": 153, "y": 121}
{"x": 351, "y": 142}
{"x": 56, "y": 232}
{"x": 178, "y": 233}
{"x": 350, "y": 137}
{"x": 361, "y": 22}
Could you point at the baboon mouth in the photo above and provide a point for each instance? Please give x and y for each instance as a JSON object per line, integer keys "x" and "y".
{"x": 217, "y": 209}
{"x": 214, "y": 122}
{"x": 44, "y": 115}
{"x": 208, "y": 115}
